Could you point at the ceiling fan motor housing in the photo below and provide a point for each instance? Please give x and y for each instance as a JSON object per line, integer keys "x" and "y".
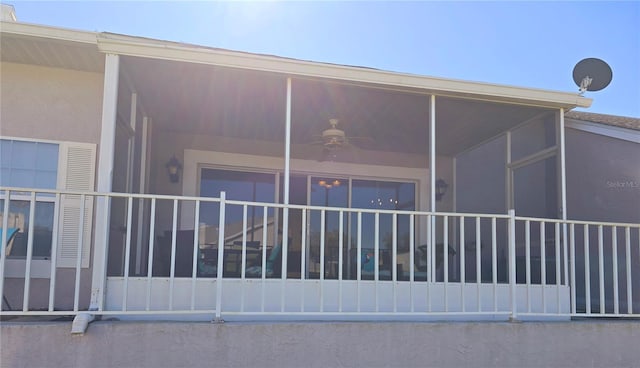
{"x": 334, "y": 138}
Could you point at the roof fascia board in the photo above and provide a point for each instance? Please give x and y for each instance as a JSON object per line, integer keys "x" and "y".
{"x": 56, "y": 33}
{"x": 606, "y": 130}
{"x": 170, "y": 51}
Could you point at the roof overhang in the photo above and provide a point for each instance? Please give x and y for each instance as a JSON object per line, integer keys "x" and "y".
{"x": 150, "y": 48}
{"x": 142, "y": 47}
{"x": 55, "y": 33}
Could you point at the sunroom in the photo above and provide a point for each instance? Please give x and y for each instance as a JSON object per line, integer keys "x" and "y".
{"x": 250, "y": 186}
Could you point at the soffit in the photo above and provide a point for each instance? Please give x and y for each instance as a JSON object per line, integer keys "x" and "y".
{"x": 54, "y": 53}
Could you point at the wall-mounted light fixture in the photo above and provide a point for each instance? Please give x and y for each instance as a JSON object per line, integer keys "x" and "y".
{"x": 441, "y": 189}
{"x": 174, "y": 168}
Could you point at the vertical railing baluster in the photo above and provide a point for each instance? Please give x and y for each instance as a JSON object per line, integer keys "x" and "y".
{"x": 303, "y": 258}
{"x": 412, "y": 249}
{"x": 263, "y": 260}
{"x": 27, "y": 270}
{"x": 627, "y": 246}
{"x": 429, "y": 281}
{"x": 432, "y": 249}
{"x": 494, "y": 263}
{"x": 127, "y": 255}
{"x": 558, "y": 280}
{"x": 601, "y": 268}
{"x": 243, "y": 256}
{"x": 445, "y": 259}
{"x": 478, "y": 263}
{"x": 221, "y": 229}
{"x": 172, "y": 272}
{"x": 322, "y": 241}
{"x": 543, "y": 264}
{"x": 340, "y": 257}
{"x": 54, "y": 252}
{"x": 572, "y": 283}
{"x": 394, "y": 260}
{"x": 512, "y": 263}
{"x": 616, "y": 295}
{"x": 462, "y": 264}
{"x": 376, "y": 257}
{"x": 152, "y": 241}
{"x": 359, "y": 260}
{"x": 76, "y": 298}
{"x": 196, "y": 252}
{"x": 527, "y": 250}
{"x": 565, "y": 254}
{"x": 587, "y": 270}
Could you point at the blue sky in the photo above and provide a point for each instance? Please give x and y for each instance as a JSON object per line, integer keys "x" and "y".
{"x": 530, "y": 44}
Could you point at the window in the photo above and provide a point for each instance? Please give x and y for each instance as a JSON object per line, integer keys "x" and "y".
{"x": 45, "y": 165}
{"x": 29, "y": 165}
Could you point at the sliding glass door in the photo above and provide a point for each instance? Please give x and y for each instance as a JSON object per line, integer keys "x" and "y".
{"x": 321, "y": 229}
{"x": 380, "y": 195}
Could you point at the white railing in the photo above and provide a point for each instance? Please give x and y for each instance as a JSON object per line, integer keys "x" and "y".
{"x": 335, "y": 263}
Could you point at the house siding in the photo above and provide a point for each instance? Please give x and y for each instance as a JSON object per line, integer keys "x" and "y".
{"x": 603, "y": 178}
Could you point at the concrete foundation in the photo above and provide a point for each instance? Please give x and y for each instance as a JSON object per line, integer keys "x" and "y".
{"x": 197, "y": 344}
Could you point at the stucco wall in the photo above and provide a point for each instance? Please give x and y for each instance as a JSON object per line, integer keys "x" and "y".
{"x": 50, "y": 103}
{"x": 120, "y": 344}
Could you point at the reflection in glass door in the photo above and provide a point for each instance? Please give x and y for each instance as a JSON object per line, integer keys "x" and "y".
{"x": 326, "y": 192}
{"x": 243, "y": 186}
{"x": 381, "y": 195}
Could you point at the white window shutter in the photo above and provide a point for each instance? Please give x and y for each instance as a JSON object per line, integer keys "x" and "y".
{"x": 76, "y": 172}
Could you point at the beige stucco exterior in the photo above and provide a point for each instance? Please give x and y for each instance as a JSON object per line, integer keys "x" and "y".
{"x": 49, "y": 103}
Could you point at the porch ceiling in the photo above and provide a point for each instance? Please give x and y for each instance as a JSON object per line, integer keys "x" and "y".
{"x": 207, "y": 100}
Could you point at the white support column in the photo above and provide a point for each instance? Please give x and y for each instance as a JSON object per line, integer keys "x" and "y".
{"x": 508, "y": 175}
{"x": 432, "y": 152}
{"x": 563, "y": 172}
{"x": 104, "y": 180}
{"x": 142, "y": 189}
{"x": 432, "y": 172}
{"x": 287, "y": 162}
{"x": 563, "y": 193}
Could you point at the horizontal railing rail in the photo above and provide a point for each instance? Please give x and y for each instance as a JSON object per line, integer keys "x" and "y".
{"x": 199, "y": 255}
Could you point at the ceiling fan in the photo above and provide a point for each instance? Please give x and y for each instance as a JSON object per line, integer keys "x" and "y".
{"x": 334, "y": 139}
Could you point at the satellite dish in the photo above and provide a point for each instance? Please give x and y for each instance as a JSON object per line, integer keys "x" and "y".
{"x": 592, "y": 74}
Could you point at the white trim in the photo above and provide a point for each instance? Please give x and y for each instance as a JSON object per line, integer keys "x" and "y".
{"x": 606, "y": 130}
{"x": 563, "y": 167}
{"x": 104, "y": 179}
{"x": 39, "y": 140}
{"x": 432, "y": 153}
{"x": 56, "y": 33}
